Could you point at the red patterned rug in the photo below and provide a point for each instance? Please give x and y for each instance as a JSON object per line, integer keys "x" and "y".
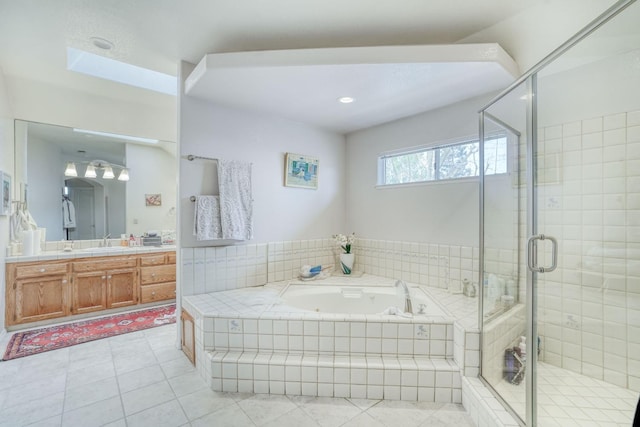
{"x": 53, "y": 337}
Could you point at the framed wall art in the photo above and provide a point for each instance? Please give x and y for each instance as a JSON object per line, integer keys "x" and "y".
{"x": 301, "y": 171}
{"x": 5, "y": 207}
{"x": 153, "y": 199}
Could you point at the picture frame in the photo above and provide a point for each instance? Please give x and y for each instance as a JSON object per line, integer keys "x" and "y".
{"x": 5, "y": 206}
{"x": 153, "y": 199}
{"x": 301, "y": 171}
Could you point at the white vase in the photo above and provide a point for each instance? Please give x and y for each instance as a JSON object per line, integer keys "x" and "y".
{"x": 346, "y": 262}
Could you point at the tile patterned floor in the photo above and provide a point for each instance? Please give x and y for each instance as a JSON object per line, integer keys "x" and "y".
{"x": 141, "y": 379}
{"x": 568, "y": 399}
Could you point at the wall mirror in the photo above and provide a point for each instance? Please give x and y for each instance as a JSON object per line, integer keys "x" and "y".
{"x": 117, "y": 184}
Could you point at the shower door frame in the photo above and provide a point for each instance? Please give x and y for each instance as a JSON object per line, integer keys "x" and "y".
{"x": 530, "y": 77}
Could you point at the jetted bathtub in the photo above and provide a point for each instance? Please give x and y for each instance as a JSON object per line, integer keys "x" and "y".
{"x": 357, "y": 299}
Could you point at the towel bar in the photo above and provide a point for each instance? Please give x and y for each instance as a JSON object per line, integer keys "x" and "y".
{"x": 193, "y": 199}
{"x": 191, "y": 158}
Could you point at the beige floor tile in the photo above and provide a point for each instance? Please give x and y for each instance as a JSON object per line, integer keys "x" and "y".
{"x": 296, "y": 418}
{"x": 87, "y": 394}
{"x": 32, "y": 411}
{"x": 45, "y": 386}
{"x": 96, "y": 414}
{"x": 203, "y": 402}
{"x": 187, "y": 383}
{"x": 168, "y": 414}
{"x": 140, "y": 378}
{"x": 230, "y": 416}
{"x": 262, "y": 408}
{"x": 363, "y": 420}
{"x": 146, "y": 397}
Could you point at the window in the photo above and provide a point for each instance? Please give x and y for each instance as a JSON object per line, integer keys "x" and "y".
{"x": 450, "y": 161}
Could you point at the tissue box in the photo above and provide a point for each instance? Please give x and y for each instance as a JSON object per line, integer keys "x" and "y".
{"x": 152, "y": 241}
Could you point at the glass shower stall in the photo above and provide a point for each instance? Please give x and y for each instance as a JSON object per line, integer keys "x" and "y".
{"x": 560, "y": 234}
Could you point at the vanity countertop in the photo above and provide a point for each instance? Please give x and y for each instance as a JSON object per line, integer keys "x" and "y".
{"x": 90, "y": 252}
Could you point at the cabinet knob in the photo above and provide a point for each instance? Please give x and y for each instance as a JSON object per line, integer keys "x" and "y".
{"x": 108, "y": 277}
{"x": 104, "y": 277}
{"x": 64, "y": 281}
{"x": 153, "y": 294}
{"x": 42, "y": 270}
{"x": 153, "y": 274}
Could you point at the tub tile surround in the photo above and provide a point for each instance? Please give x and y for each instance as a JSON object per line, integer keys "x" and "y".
{"x": 220, "y": 268}
{"x": 439, "y": 269}
{"x": 247, "y": 342}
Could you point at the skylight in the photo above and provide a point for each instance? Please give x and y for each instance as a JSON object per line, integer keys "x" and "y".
{"x": 121, "y": 72}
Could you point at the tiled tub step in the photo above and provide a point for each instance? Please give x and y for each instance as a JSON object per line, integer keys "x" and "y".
{"x": 363, "y": 377}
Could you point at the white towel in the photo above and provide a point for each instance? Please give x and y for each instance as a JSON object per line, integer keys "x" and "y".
{"x": 68, "y": 214}
{"x": 236, "y": 203}
{"x": 395, "y": 311}
{"x": 206, "y": 218}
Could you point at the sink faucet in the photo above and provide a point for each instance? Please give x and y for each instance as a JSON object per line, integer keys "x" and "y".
{"x": 105, "y": 240}
{"x": 407, "y": 296}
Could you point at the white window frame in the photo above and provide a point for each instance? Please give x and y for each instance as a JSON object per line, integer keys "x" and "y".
{"x": 433, "y": 147}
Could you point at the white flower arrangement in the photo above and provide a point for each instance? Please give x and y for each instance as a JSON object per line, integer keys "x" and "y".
{"x": 345, "y": 241}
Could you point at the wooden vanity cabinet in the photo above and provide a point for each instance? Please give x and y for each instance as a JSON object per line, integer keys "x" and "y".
{"x": 188, "y": 340}
{"x": 36, "y": 292}
{"x": 105, "y": 283}
{"x": 157, "y": 277}
{"x": 43, "y": 290}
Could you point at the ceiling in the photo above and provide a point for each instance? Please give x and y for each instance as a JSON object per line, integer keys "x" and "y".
{"x": 386, "y": 83}
{"x": 88, "y": 146}
{"x": 158, "y": 34}
{"x": 72, "y": 144}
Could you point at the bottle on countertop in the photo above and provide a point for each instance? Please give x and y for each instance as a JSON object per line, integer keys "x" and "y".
{"x": 523, "y": 348}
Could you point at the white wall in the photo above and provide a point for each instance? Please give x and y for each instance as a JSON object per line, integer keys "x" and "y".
{"x": 531, "y": 35}
{"x": 45, "y": 103}
{"x": 152, "y": 171}
{"x": 6, "y": 165}
{"x": 444, "y": 212}
{"x": 280, "y": 213}
{"x": 45, "y": 204}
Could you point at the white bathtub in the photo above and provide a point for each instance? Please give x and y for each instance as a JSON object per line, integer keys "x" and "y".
{"x": 351, "y": 299}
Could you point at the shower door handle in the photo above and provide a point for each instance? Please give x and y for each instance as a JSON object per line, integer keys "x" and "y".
{"x": 531, "y": 255}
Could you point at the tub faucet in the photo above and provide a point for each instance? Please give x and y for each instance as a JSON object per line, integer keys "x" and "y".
{"x": 105, "y": 240}
{"x": 407, "y": 296}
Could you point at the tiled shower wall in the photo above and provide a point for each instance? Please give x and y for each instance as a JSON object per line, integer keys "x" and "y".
{"x": 590, "y": 200}
{"x": 215, "y": 269}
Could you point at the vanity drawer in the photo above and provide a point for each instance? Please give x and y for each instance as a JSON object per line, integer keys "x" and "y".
{"x": 171, "y": 258}
{"x": 40, "y": 269}
{"x": 157, "y": 274}
{"x": 106, "y": 263}
{"x": 157, "y": 259}
{"x": 158, "y": 292}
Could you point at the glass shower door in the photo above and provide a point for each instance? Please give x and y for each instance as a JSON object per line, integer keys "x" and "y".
{"x": 574, "y": 196}
{"x": 588, "y": 197}
{"x": 503, "y": 292}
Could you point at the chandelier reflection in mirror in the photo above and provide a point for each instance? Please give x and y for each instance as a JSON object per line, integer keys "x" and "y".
{"x": 97, "y": 165}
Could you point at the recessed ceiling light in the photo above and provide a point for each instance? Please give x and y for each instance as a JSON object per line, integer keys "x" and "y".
{"x": 101, "y": 43}
{"x": 346, "y": 100}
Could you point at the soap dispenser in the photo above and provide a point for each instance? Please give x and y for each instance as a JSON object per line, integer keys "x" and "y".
{"x": 523, "y": 348}
{"x": 469, "y": 289}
